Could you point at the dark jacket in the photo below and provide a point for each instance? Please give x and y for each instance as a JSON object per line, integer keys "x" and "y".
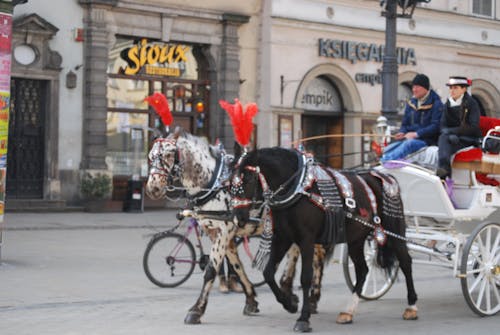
{"x": 425, "y": 119}
{"x": 462, "y": 120}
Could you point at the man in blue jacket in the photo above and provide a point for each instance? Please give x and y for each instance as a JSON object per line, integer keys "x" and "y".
{"x": 420, "y": 126}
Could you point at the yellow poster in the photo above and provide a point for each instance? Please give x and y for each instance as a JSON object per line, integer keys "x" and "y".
{"x": 4, "y": 126}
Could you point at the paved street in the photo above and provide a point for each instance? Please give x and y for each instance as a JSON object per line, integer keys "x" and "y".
{"x": 81, "y": 273}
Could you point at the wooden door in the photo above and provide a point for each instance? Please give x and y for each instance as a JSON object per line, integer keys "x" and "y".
{"x": 26, "y": 154}
{"x": 326, "y": 150}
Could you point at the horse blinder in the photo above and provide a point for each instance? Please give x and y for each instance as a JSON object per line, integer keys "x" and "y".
{"x": 240, "y": 203}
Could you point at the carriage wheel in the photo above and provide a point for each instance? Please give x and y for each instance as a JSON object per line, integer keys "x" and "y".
{"x": 480, "y": 269}
{"x": 378, "y": 281}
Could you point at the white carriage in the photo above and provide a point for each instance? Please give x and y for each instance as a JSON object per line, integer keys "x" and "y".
{"x": 457, "y": 228}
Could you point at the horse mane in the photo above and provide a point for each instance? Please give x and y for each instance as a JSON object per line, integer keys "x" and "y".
{"x": 197, "y": 141}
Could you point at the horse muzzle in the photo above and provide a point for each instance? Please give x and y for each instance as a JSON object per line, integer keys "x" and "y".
{"x": 155, "y": 187}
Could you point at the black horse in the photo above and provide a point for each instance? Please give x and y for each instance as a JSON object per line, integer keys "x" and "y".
{"x": 294, "y": 190}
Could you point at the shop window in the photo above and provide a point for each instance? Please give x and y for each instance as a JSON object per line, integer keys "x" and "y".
{"x": 138, "y": 67}
{"x": 483, "y": 7}
{"x": 368, "y": 154}
{"x": 127, "y": 93}
{"x": 127, "y": 143}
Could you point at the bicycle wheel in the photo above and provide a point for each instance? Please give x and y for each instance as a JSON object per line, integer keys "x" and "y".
{"x": 378, "y": 281}
{"x": 247, "y": 256}
{"x": 169, "y": 259}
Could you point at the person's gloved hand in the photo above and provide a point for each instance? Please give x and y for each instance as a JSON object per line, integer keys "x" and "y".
{"x": 453, "y": 139}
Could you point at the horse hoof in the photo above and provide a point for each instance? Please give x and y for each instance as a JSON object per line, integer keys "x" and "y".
{"x": 410, "y": 314}
{"x": 344, "y": 318}
{"x": 294, "y": 304}
{"x": 314, "y": 308}
{"x": 192, "y": 318}
{"x": 302, "y": 327}
{"x": 251, "y": 308}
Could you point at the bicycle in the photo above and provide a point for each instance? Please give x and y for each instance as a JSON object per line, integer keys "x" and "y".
{"x": 170, "y": 257}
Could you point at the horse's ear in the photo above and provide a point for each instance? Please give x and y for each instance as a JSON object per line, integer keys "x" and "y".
{"x": 177, "y": 132}
{"x": 238, "y": 151}
{"x": 214, "y": 150}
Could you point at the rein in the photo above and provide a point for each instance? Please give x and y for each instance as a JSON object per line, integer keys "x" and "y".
{"x": 337, "y": 135}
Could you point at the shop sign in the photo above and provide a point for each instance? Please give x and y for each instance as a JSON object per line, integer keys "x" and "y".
{"x": 155, "y": 59}
{"x": 362, "y": 52}
{"x": 369, "y": 78}
{"x": 320, "y": 95}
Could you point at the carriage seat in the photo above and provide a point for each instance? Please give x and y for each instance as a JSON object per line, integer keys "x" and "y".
{"x": 486, "y": 158}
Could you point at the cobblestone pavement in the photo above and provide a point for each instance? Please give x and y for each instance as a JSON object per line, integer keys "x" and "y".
{"x": 81, "y": 274}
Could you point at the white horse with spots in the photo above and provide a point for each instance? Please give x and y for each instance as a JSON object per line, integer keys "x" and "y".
{"x": 202, "y": 171}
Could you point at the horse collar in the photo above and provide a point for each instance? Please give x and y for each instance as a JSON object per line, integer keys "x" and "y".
{"x": 215, "y": 183}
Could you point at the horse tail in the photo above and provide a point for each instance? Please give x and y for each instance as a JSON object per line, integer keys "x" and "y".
{"x": 386, "y": 257}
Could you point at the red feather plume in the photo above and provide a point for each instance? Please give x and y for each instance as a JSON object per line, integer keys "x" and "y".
{"x": 241, "y": 120}
{"x": 160, "y": 104}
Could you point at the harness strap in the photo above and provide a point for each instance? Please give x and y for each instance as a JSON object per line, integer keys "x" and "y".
{"x": 204, "y": 196}
{"x": 369, "y": 193}
{"x": 345, "y": 187}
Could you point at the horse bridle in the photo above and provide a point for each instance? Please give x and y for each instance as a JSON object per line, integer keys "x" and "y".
{"x": 238, "y": 199}
{"x": 174, "y": 173}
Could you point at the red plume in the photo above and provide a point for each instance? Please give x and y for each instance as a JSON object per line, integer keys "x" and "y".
{"x": 160, "y": 104}
{"x": 241, "y": 120}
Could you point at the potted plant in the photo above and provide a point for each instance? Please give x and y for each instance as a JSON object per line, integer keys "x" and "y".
{"x": 96, "y": 189}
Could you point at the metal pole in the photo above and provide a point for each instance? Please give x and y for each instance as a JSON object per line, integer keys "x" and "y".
{"x": 390, "y": 64}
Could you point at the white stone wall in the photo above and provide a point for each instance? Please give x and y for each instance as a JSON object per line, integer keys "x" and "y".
{"x": 66, "y": 15}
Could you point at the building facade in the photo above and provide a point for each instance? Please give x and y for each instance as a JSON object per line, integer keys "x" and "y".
{"x": 80, "y": 76}
{"x": 321, "y": 66}
{"x": 87, "y": 69}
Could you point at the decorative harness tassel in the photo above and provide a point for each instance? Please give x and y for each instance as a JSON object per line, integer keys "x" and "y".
{"x": 262, "y": 257}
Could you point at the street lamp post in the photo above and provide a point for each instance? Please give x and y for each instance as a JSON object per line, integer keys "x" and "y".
{"x": 390, "y": 63}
